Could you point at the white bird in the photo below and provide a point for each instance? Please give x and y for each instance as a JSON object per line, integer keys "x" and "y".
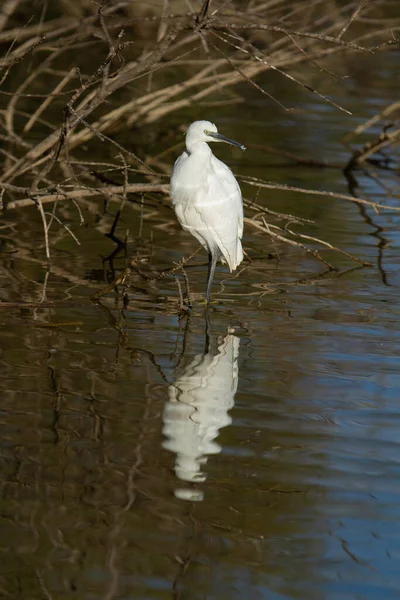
{"x": 207, "y": 198}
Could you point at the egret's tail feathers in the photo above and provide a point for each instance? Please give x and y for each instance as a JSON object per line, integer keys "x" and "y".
{"x": 239, "y": 253}
{"x": 233, "y": 259}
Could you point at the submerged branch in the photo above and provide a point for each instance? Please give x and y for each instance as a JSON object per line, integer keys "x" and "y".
{"x": 280, "y": 186}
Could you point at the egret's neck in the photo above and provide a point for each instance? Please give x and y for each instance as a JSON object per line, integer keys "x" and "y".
{"x": 198, "y": 148}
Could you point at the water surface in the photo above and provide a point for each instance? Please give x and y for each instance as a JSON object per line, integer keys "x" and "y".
{"x": 140, "y": 459}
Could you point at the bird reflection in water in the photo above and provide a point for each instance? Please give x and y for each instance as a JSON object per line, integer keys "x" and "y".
{"x": 197, "y": 408}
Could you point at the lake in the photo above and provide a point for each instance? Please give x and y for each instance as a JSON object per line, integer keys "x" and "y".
{"x": 143, "y": 457}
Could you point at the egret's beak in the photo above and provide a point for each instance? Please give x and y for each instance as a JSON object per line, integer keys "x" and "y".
{"x": 218, "y": 137}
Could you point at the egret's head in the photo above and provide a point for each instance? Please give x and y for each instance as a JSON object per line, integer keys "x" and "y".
{"x": 204, "y": 131}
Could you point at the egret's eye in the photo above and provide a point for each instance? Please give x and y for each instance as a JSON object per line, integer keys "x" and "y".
{"x": 206, "y": 132}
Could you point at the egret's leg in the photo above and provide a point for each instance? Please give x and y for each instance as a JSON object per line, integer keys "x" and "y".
{"x": 212, "y": 262}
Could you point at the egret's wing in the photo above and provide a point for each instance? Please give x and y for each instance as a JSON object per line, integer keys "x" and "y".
{"x": 218, "y": 203}
{"x": 183, "y": 191}
{"x": 225, "y": 174}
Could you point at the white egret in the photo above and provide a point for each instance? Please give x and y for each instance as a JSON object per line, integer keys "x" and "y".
{"x": 207, "y": 198}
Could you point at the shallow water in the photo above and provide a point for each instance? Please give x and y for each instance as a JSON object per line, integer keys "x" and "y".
{"x": 142, "y": 460}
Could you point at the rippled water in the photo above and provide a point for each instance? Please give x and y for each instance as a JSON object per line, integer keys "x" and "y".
{"x": 141, "y": 459}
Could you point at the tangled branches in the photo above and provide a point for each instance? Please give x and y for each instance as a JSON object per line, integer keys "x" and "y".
{"x": 72, "y": 83}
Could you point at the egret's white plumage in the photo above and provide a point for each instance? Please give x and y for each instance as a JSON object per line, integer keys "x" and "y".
{"x": 207, "y": 198}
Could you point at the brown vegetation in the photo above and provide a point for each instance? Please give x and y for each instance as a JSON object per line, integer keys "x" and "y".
{"x": 160, "y": 58}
